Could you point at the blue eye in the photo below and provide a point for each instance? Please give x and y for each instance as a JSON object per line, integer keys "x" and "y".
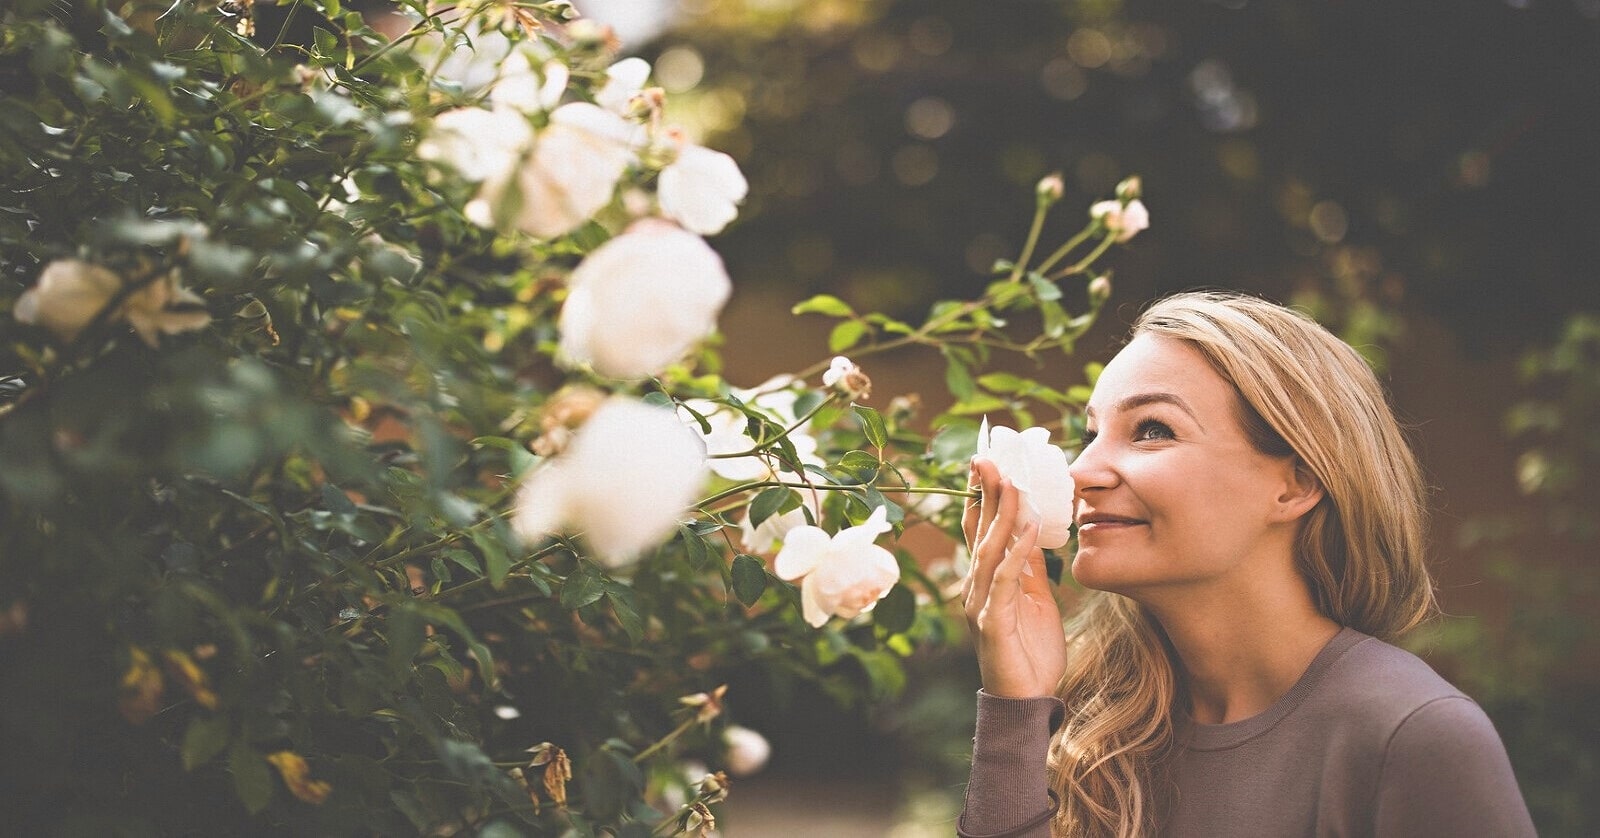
{"x": 1151, "y": 429}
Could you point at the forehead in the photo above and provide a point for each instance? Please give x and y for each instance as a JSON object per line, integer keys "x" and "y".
{"x": 1156, "y": 365}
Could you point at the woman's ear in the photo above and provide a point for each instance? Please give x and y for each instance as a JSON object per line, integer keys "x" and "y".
{"x": 1302, "y": 491}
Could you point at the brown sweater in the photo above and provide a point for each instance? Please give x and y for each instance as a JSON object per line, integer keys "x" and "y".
{"x": 1369, "y": 742}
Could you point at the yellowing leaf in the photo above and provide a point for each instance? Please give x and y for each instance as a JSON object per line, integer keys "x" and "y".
{"x": 297, "y": 776}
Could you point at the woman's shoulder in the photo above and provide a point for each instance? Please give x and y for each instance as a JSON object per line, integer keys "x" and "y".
{"x": 1384, "y": 682}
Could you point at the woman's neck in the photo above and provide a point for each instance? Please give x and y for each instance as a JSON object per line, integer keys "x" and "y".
{"x": 1237, "y": 662}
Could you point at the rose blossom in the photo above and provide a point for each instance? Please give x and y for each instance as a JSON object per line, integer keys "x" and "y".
{"x": 624, "y": 80}
{"x": 1039, "y": 471}
{"x": 642, "y": 299}
{"x": 577, "y": 161}
{"x": 627, "y": 478}
{"x": 701, "y": 189}
{"x": 1123, "y": 220}
{"x": 747, "y": 751}
{"x": 845, "y": 575}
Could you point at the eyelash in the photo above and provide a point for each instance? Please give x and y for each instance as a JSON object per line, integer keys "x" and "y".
{"x": 1144, "y": 431}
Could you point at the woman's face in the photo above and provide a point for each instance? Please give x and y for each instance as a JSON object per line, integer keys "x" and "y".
{"x": 1170, "y": 493}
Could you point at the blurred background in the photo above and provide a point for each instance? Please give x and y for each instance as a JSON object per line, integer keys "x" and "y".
{"x": 1423, "y": 177}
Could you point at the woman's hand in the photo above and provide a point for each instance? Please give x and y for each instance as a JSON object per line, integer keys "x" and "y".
{"x": 1015, "y": 622}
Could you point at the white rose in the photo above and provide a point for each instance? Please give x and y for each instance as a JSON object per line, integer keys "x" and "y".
{"x": 67, "y": 297}
{"x": 701, "y": 189}
{"x": 483, "y": 145}
{"x": 521, "y": 89}
{"x": 624, "y": 80}
{"x": 845, "y": 575}
{"x": 629, "y": 476}
{"x": 642, "y": 299}
{"x": 1039, "y": 471}
{"x": 747, "y": 751}
{"x": 1124, "y": 221}
{"x": 577, "y": 161}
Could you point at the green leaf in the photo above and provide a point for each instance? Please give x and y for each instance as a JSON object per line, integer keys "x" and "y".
{"x": 860, "y": 463}
{"x": 206, "y": 737}
{"x": 958, "y": 378}
{"x": 585, "y": 586}
{"x": 897, "y": 610}
{"x": 406, "y": 631}
{"x": 252, "y": 779}
{"x": 749, "y": 578}
{"x": 336, "y": 501}
{"x": 1003, "y": 382}
{"x": 769, "y": 503}
{"x": 824, "y": 304}
{"x": 872, "y": 425}
{"x": 1046, "y": 289}
{"x": 465, "y": 559}
{"x": 845, "y": 334}
{"x": 496, "y": 561}
{"x": 699, "y": 552}
{"x": 626, "y": 608}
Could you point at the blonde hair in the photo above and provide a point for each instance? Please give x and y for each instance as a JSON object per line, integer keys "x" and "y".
{"x": 1302, "y": 393}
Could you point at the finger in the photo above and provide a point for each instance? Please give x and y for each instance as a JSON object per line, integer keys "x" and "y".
{"x": 996, "y": 538}
{"x": 969, "y": 513}
{"x": 989, "y": 481}
{"x": 1008, "y": 576}
{"x": 1035, "y": 576}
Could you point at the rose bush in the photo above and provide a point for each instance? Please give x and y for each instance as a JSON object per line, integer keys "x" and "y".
{"x": 354, "y": 419}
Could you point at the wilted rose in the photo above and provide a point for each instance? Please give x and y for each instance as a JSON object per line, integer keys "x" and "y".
{"x": 70, "y": 293}
{"x": 701, "y": 189}
{"x": 1123, "y": 220}
{"x": 1039, "y": 472}
{"x": 747, "y": 751}
{"x": 844, "y": 575}
{"x": 642, "y": 299}
{"x": 846, "y": 377}
{"x": 628, "y": 477}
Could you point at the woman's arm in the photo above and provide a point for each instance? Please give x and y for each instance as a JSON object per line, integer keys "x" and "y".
{"x": 1022, "y": 655}
{"x": 1008, "y": 792}
{"x": 1446, "y": 773}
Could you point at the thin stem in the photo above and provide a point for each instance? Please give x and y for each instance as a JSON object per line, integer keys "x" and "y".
{"x": 680, "y": 730}
{"x": 1021, "y": 266}
{"x": 1063, "y": 250}
{"x": 1082, "y": 264}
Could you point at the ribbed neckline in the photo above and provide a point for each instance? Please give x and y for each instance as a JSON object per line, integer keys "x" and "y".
{"x": 1199, "y": 737}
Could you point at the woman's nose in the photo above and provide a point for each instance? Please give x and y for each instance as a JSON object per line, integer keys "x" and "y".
{"x": 1092, "y": 468}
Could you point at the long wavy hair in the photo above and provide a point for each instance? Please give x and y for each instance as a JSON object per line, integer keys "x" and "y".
{"x": 1302, "y": 392}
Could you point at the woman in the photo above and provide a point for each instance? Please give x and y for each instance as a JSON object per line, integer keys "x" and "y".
{"x": 1251, "y": 523}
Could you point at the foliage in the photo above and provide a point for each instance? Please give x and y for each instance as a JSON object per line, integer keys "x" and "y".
{"x": 1526, "y": 666}
{"x": 263, "y": 575}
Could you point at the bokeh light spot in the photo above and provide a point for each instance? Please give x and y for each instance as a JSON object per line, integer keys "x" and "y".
{"x": 1328, "y": 221}
{"x": 914, "y": 165}
{"x": 930, "y": 118}
{"x": 679, "y": 69}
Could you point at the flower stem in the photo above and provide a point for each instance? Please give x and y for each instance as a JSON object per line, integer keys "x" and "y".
{"x": 1021, "y": 266}
{"x": 680, "y": 730}
{"x": 1082, "y": 264}
{"x": 1063, "y": 250}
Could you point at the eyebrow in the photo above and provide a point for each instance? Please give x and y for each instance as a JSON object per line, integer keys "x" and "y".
{"x": 1138, "y": 400}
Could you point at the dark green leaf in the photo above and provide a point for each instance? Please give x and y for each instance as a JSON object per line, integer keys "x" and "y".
{"x": 749, "y": 578}
{"x": 405, "y": 632}
{"x": 585, "y": 586}
{"x": 335, "y": 500}
{"x": 627, "y": 610}
{"x": 205, "y": 738}
{"x": 770, "y": 502}
{"x": 699, "y": 552}
{"x": 897, "y": 610}
{"x": 252, "y": 779}
{"x": 958, "y": 378}
{"x": 496, "y": 561}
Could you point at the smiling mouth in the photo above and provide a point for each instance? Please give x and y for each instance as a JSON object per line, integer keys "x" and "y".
{"x": 1107, "y": 524}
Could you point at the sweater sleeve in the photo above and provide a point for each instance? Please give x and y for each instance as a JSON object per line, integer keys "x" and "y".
{"x": 1008, "y": 790}
{"x": 1446, "y": 773}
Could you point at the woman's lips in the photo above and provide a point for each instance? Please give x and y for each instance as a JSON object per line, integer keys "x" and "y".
{"x": 1106, "y": 524}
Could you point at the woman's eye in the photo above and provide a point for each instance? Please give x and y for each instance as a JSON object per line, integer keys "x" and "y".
{"x": 1088, "y": 436}
{"x": 1151, "y": 429}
